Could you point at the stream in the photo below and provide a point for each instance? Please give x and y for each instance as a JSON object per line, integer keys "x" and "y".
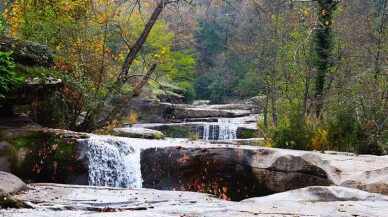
{"x": 115, "y": 161}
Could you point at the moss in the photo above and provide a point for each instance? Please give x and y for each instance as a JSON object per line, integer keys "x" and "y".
{"x": 179, "y": 132}
{"x": 35, "y": 72}
{"x": 248, "y": 134}
{"x": 48, "y": 157}
{"x": 26, "y": 52}
{"x": 159, "y": 136}
{"x": 7, "y": 201}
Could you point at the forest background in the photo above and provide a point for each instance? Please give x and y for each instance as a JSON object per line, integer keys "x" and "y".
{"x": 320, "y": 66}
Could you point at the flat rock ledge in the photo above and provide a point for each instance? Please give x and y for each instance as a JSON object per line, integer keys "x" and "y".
{"x": 70, "y": 200}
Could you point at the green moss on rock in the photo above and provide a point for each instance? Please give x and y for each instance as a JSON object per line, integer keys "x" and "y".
{"x": 7, "y": 201}
{"x": 27, "y": 52}
{"x": 41, "y": 156}
{"x": 179, "y": 132}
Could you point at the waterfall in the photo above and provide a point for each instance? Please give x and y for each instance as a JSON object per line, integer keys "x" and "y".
{"x": 227, "y": 132}
{"x": 113, "y": 162}
{"x": 223, "y": 130}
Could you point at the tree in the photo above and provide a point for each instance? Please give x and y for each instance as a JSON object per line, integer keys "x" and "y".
{"x": 323, "y": 59}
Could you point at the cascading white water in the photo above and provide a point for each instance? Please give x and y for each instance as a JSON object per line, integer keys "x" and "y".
{"x": 227, "y": 132}
{"x": 113, "y": 162}
{"x": 223, "y": 130}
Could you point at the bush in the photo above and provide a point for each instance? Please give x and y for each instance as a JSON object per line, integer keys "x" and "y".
{"x": 339, "y": 131}
{"x": 189, "y": 91}
{"x": 294, "y": 132}
{"x": 8, "y": 77}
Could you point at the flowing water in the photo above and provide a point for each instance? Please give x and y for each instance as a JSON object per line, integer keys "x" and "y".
{"x": 224, "y": 129}
{"x": 209, "y": 131}
{"x": 113, "y": 162}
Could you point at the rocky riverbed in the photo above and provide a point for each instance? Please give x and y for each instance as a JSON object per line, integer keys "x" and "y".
{"x": 69, "y": 200}
{"x": 180, "y": 177}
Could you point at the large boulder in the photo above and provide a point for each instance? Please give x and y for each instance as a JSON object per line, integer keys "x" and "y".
{"x": 62, "y": 200}
{"x": 37, "y": 154}
{"x": 246, "y": 171}
{"x": 5, "y": 151}
{"x": 11, "y": 184}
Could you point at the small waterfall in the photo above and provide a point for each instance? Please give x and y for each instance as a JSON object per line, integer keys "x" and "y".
{"x": 227, "y": 132}
{"x": 113, "y": 162}
{"x": 220, "y": 131}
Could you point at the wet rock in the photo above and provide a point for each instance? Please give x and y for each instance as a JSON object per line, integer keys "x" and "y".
{"x": 135, "y": 132}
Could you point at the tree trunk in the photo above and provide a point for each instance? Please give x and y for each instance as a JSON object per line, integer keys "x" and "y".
{"x": 140, "y": 41}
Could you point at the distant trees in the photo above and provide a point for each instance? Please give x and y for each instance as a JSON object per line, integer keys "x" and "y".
{"x": 327, "y": 93}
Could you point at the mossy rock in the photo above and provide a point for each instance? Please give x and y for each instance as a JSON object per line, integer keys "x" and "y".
{"x": 243, "y": 133}
{"x": 7, "y": 201}
{"x": 36, "y": 72}
{"x": 44, "y": 156}
{"x": 179, "y": 132}
{"x": 26, "y": 52}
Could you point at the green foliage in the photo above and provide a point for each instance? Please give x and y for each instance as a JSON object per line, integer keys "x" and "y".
{"x": 209, "y": 41}
{"x": 8, "y": 78}
{"x": 189, "y": 91}
{"x": 180, "y": 66}
{"x": 36, "y": 72}
{"x": 201, "y": 86}
{"x": 7, "y": 201}
{"x": 340, "y": 132}
{"x": 250, "y": 85}
{"x": 345, "y": 133}
{"x": 248, "y": 134}
{"x": 2, "y": 27}
{"x": 294, "y": 132}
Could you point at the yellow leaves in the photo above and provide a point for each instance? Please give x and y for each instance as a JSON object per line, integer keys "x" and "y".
{"x": 147, "y": 5}
{"x": 305, "y": 12}
{"x": 320, "y": 139}
{"x": 327, "y": 23}
{"x": 132, "y": 118}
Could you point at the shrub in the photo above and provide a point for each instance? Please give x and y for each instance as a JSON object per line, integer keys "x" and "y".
{"x": 294, "y": 132}
{"x": 189, "y": 91}
{"x": 8, "y": 77}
